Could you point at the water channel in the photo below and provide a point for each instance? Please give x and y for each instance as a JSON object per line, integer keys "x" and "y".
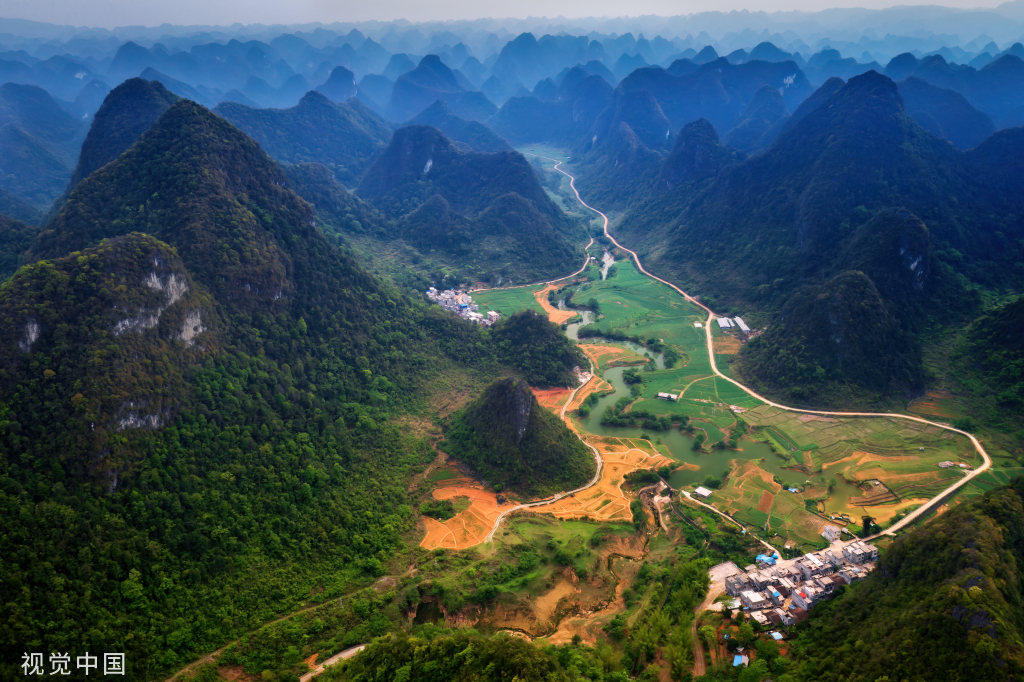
{"x": 680, "y": 445}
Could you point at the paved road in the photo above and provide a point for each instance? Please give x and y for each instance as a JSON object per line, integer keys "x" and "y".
{"x": 909, "y": 518}
{"x": 347, "y": 653}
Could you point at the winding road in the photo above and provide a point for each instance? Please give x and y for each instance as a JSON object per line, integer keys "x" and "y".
{"x": 902, "y": 523}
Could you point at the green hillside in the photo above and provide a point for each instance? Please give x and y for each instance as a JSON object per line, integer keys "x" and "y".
{"x": 182, "y": 470}
{"x": 508, "y": 439}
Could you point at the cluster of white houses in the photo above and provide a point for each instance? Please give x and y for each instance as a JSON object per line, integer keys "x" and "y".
{"x": 462, "y": 305}
{"x": 777, "y": 595}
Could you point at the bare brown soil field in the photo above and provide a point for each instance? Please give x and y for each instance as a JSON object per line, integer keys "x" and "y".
{"x": 554, "y": 314}
{"x": 765, "y": 505}
{"x": 545, "y": 604}
{"x": 727, "y": 345}
{"x": 814, "y": 418}
{"x": 552, "y": 398}
{"x": 860, "y": 457}
{"x": 610, "y": 356}
{"x": 935, "y": 404}
{"x": 467, "y": 528}
{"x": 875, "y": 497}
{"x": 606, "y": 501}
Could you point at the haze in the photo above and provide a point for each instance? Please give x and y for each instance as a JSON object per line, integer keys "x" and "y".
{"x": 113, "y": 13}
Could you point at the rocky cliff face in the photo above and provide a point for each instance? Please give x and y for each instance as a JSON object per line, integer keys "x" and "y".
{"x": 111, "y": 328}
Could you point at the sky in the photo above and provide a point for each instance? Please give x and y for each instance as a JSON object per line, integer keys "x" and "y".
{"x": 113, "y": 13}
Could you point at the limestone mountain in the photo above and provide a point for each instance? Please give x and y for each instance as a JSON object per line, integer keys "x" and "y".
{"x": 838, "y": 167}
{"x": 564, "y": 119}
{"x": 129, "y": 301}
{"x": 753, "y": 130}
{"x": 507, "y": 438}
{"x": 340, "y": 86}
{"x": 486, "y": 212}
{"x": 127, "y": 111}
{"x": 473, "y": 134}
{"x": 430, "y": 81}
{"x": 838, "y": 332}
{"x": 231, "y": 337}
{"x": 15, "y": 239}
{"x": 345, "y": 136}
{"x": 39, "y": 142}
{"x": 988, "y": 365}
{"x": 698, "y": 154}
{"x": 945, "y": 113}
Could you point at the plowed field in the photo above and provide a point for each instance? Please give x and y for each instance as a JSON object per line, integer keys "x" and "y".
{"x": 554, "y": 314}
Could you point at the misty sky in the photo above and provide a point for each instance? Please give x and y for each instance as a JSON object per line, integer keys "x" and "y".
{"x": 112, "y": 13}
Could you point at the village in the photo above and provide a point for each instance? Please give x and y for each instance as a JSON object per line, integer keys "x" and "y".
{"x": 461, "y": 303}
{"x": 778, "y": 593}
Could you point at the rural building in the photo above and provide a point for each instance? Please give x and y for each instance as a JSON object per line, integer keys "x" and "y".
{"x": 738, "y": 321}
{"x": 807, "y": 596}
{"x": 831, "y": 533}
{"x": 860, "y": 552}
{"x": 668, "y": 396}
{"x": 493, "y": 316}
{"x": 777, "y": 636}
{"x": 698, "y": 325}
{"x": 852, "y": 574}
{"x": 724, "y": 323}
{"x": 759, "y": 579}
{"x": 760, "y": 618}
{"x": 766, "y": 559}
{"x": 753, "y": 600}
{"x": 774, "y": 617}
{"x": 834, "y": 558}
{"x": 810, "y": 566}
{"x": 946, "y": 465}
{"x": 775, "y": 596}
{"x": 740, "y": 660}
{"x": 701, "y": 491}
{"x": 799, "y": 615}
{"x": 735, "y": 584}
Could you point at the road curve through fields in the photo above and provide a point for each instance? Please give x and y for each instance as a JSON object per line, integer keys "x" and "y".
{"x": 902, "y": 523}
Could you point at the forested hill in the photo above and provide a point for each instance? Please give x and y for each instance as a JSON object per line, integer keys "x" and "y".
{"x": 832, "y": 174}
{"x": 346, "y": 137}
{"x": 127, "y": 111}
{"x": 198, "y": 421}
{"x": 944, "y": 603}
{"x": 507, "y": 438}
{"x": 484, "y": 214}
{"x": 989, "y": 365}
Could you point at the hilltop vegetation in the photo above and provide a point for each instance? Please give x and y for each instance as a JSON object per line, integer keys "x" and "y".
{"x": 127, "y": 111}
{"x": 950, "y": 592}
{"x": 507, "y": 438}
{"x": 345, "y": 137}
{"x": 542, "y": 353}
